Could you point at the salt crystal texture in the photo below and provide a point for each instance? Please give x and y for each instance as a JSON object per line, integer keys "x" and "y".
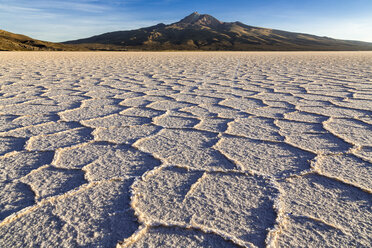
{"x": 185, "y": 149}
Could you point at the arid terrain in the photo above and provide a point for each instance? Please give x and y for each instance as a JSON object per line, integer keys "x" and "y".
{"x": 205, "y": 33}
{"x": 186, "y": 149}
{"x": 195, "y": 32}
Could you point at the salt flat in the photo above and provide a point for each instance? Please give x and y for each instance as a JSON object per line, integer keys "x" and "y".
{"x": 188, "y": 149}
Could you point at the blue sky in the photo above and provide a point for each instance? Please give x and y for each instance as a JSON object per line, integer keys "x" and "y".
{"x": 58, "y": 20}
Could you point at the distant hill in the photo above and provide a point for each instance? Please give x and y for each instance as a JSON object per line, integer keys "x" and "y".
{"x": 194, "y": 32}
{"x": 18, "y": 42}
{"x": 204, "y": 32}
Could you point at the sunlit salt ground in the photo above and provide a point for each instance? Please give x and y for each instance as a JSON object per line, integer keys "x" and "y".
{"x": 185, "y": 149}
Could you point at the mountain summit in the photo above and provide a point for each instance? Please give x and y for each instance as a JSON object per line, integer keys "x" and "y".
{"x": 204, "y": 32}
{"x": 191, "y": 18}
{"x": 201, "y": 20}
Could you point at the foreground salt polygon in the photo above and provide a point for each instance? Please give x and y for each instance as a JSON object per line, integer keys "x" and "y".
{"x": 186, "y": 149}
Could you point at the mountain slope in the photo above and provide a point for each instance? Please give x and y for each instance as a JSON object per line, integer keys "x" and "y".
{"x": 18, "y": 42}
{"x": 204, "y": 32}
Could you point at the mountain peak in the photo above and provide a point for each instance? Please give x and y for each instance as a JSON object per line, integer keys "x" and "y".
{"x": 190, "y": 18}
{"x": 204, "y": 32}
{"x": 201, "y": 20}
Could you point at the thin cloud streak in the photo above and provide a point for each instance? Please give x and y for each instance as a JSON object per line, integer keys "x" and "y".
{"x": 51, "y": 6}
{"x": 17, "y": 9}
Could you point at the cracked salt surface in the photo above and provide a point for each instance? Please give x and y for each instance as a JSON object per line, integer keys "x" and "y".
{"x": 185, "y": 149}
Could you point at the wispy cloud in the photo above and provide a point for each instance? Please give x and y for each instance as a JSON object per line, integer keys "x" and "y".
{"x": 83, "y": 7}
{"x": 9, "y": 8}
{"x": 53, "y": 6}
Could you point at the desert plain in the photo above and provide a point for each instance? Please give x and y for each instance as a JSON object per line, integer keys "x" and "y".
{"x": 185, "y": 149}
